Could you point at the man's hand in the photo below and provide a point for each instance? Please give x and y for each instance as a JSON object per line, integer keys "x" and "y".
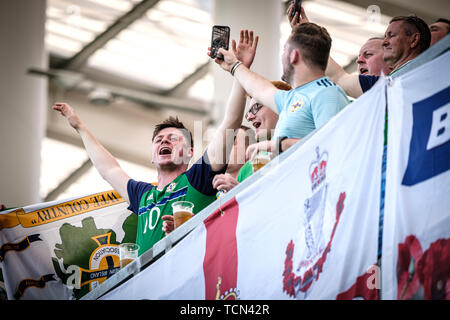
{"x": 103, "y": 161}
{"x": 68, "y": 113}
{"x": 297, "y": 19}
{"x": 253, "y": 149}
{"x": 168, "y": 224}
{"x": 244, "y": 51}
{"x": 229, "y": 58}
{"x": 246, "y": 48}
{"x": 224, "y": 182}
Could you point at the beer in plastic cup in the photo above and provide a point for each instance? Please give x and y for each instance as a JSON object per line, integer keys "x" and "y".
{"x": 128, "y": 252}
{"x": 182, "y": 212}
{"x": 260, "y": 160}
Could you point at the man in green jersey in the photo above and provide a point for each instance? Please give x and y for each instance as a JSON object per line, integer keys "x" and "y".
{"x": 171, "y": 152}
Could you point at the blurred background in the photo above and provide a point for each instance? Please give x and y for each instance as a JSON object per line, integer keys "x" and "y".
{"x": 125, "y": 65}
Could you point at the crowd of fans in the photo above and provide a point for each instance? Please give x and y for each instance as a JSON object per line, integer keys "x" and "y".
{"x": 314, "y": 89}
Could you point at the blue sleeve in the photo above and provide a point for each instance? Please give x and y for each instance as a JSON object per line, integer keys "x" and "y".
{"x": 326, "y": 105}
{"x": 367, "y": 82}
{"x": 135, "y": 191}
{"x": 281, "y": 96}
{"x": 200, "y": 175}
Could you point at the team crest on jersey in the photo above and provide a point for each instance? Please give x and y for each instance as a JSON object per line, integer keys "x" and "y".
{"x": 306, "y": 255}
{"x": 171, "y": 187}
{"x": 294, "y": 107}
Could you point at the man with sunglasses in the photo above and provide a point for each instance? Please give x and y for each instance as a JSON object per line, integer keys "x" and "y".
{"x": 263, "y": 120}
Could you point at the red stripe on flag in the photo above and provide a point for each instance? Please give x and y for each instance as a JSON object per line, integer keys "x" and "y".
{"x": 221, "y": 259}
{"x": 361, "y": 289}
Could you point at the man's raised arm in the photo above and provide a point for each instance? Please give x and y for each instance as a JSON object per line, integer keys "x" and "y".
{"x": 261, "y": 89}
{"x": 104, "y": 162}
{"x": 348, "y": 82}
{"x": 220, "y": 146}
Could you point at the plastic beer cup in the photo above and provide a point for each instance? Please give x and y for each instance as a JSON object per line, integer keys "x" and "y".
{"x": 182, "y": 212}
{"x": 128, "y": 252}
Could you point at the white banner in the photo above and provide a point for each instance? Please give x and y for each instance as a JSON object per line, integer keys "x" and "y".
{"x": 307, "y": 229}
{"x": 45, "y": 246}
{"x": 416, "y": 238}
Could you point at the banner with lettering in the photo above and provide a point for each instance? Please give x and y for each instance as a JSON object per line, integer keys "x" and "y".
{"x": 307, "y": 229}
{"x": 416, "y": 239}
{"x": 44, "y": 247}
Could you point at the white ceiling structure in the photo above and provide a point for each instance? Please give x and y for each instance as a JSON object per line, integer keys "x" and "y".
{"x": 131, "y": 49}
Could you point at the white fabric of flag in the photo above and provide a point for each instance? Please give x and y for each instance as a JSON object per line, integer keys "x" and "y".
{"x": 307, "y": 229}
{"x": 45, "y": 246}
{"x": 416, "y": 244}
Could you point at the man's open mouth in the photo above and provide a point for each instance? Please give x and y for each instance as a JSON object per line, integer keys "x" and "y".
{"x": 256, "y": 124}
{"x": 165, "y": 150}
{"x": 363, "y": 71}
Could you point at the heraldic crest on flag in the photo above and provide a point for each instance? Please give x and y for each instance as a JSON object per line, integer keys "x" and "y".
{"x": 315, "y": 238}
{"x": 97, "y": 257}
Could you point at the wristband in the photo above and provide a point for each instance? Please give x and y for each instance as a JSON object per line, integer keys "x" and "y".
{"x": 234, "y": 67}
{"x": 280, "y": 139}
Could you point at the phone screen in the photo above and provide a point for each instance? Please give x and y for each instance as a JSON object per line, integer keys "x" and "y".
{"x": 297, "y": 6}
{"x": 219, "y": 39}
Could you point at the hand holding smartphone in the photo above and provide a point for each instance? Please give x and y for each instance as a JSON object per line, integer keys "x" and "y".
{"x": 220, "y": 38}
{"x": 297, "y": 7}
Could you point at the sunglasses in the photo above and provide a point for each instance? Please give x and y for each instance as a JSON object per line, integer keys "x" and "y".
{"x": 253, "y": 110}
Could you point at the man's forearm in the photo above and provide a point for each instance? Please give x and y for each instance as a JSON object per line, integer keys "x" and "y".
{"x": 100, "y": 157}
{"x": 235, "y": 107}
{"x": 348, "y": 82}
{"x": 104, "y": 162}
{"x": 334, "y": 71}
{"x": 221, "y": 145}
{"x": 287, "y": 143}
{"x": 261, "y": 89}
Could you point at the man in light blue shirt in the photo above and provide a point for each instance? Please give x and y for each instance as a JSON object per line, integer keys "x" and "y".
{"x": 315, "y": 98}
{"x": 308, "y": 107}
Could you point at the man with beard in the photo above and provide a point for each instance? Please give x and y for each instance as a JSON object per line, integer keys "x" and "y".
{"x": 406, "y": 37}
{"x": 314, "y": 99}
{"x": 370, "y": 58}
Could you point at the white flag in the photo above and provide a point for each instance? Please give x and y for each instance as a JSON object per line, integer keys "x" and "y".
{"x": 308, "y": 228}
{"x": 416, "y": 239}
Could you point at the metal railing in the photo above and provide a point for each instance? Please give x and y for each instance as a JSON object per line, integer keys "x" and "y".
{"x": 165, "y": 244}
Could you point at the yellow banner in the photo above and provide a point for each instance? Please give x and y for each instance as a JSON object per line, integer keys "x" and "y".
{"x": 60, "y": 211}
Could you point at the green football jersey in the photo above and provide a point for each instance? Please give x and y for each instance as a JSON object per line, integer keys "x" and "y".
{"x": 195, "y": 185}
{"x": 245, "y": 172}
